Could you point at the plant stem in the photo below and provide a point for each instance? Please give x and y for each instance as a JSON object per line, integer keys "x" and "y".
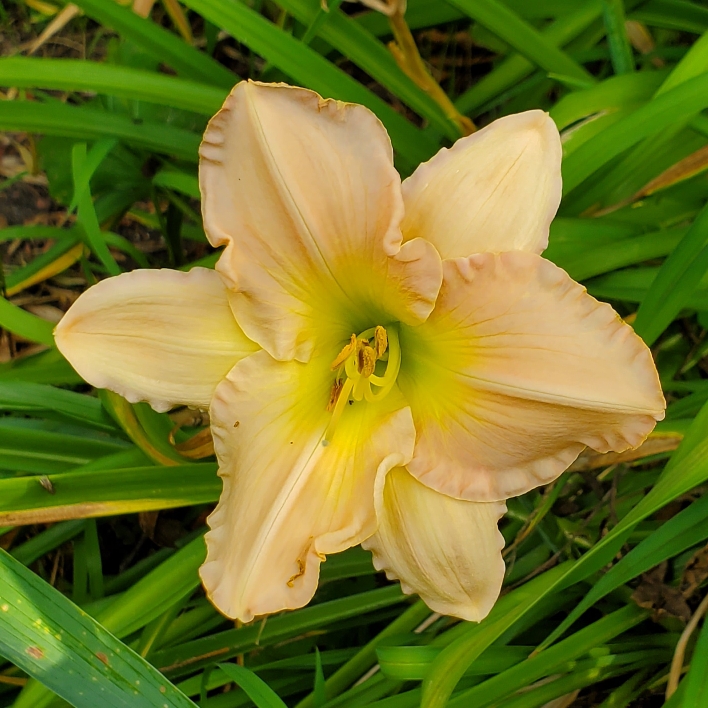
{"x": 407, "y": 56}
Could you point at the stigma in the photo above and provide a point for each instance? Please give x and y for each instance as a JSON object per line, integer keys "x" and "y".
{"x": 355, "y": 366}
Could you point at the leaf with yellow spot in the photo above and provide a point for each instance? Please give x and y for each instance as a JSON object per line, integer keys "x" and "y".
{"x": 41, "y": 629}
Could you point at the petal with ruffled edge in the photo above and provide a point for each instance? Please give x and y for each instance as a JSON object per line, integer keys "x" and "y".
{"x": 303, "y": 193}
{"x": 495, "y": 190}
{"x": 516, "y": 370}
{"x": 160, "y": 336}
{"x": 288, "y": 500}
{"x": 446, "y": 550}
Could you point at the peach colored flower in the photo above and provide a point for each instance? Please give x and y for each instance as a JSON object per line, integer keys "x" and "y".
{"x": 384, "y": 363}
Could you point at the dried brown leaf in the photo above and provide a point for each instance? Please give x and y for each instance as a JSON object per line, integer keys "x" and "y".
{"x": 148, "y": 522}
{"x": 198, "y": 446}
{"x": 695, "y": 572}
{"x": 653, "y": 594}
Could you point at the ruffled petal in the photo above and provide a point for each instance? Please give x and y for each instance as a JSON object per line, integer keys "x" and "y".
{"x": 495, "y": 190}
{"x": 160, "y": 336}
{"x": 516, "y": 370}
{"x": 446, "y": 550}
{"x": 303, "y": 193}
{"x": 288, "y": 499}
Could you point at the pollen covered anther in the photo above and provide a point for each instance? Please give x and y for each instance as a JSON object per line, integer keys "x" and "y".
{"x": 380, "y": 341}
{"x": 337, "y": 387}
{"x": 347, "y": 351}
{"x": 366, "y": 359}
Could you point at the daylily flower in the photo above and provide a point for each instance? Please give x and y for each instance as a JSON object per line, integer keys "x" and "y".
{"x": 384, "y": 363}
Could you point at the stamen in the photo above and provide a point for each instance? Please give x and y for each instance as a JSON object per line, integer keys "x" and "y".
{"x": 361, "y": 386}
{"x": 334, "y": 393}
{"x": 366, "y": 360}
{"x": 393, "y": 366}
{"x": 338, "y": 410}
{"x": 358, "y": 359}
{"x": 350, "y": 369}
{"x": 347, "y": 351}
{"x": 381, "y": 341}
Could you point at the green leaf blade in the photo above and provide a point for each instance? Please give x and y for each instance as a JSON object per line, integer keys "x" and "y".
{"x": 57, "y": 643}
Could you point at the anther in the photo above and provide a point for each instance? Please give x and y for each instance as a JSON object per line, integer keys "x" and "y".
{"x": 347, "y": 351}
{"x": 334, "y": 394}
{"x": 366, "y": 360}
{"x": 380, "y": 341}
{"x": 342, "y": 400}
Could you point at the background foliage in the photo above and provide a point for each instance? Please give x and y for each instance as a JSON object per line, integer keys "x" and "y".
{"x": 102, "y": 504}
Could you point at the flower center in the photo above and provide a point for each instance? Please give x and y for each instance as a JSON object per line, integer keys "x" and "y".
{"x": 355, "y": 365}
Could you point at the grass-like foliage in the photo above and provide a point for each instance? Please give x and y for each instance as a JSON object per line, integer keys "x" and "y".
{"x": 103, "y": 503}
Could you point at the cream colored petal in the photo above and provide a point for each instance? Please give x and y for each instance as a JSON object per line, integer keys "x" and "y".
{"x": 160, "y": 336}
{"x": 288, "y": 499}
{"x": 516, "y": 370}
{"x": 446, "y": 550}
{"x": 495, "y": 190}
{"x": 303, "y": 193}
